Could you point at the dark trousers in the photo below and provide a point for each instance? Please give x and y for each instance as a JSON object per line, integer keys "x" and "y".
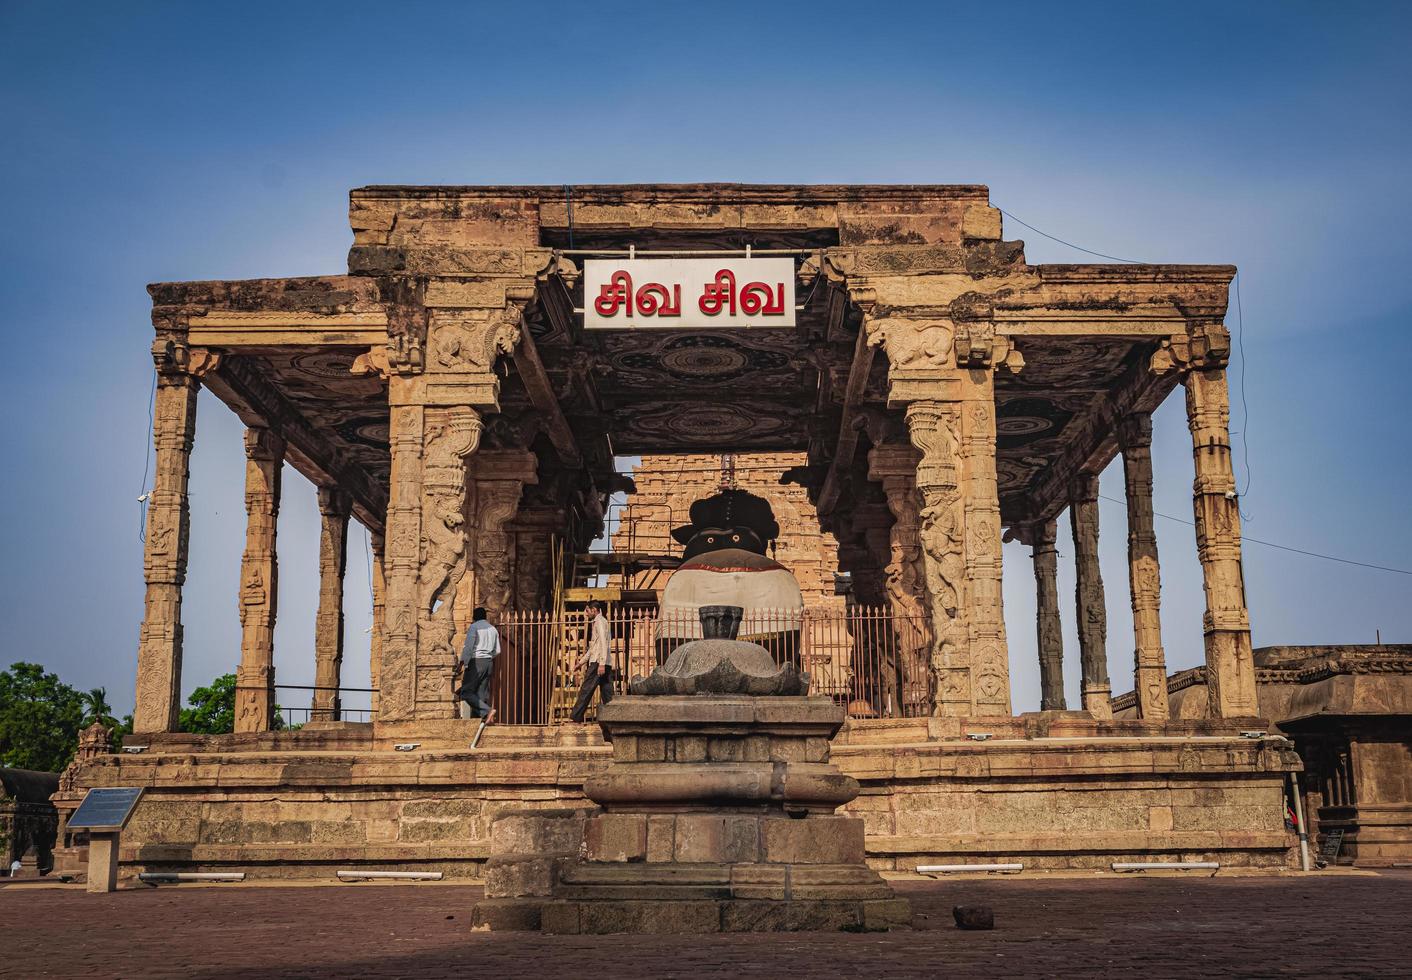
{"x": 592, "y": 680}
{"x": 475, "y": 685}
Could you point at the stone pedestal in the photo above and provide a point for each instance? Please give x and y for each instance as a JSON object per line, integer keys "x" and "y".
{"x": 718, "y": 816}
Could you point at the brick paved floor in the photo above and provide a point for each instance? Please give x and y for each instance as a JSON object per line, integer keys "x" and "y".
{"x": 1325, "y": 925}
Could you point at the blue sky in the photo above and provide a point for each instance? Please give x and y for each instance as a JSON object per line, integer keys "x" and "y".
{"x": 148, "y": 141}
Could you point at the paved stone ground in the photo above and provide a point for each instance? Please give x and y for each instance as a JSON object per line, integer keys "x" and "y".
{"x": 1334, "y": 925}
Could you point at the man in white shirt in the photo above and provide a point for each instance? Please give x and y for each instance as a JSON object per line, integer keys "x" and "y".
{"x": 597, "y": 660}
{"x": 477, "y": 662}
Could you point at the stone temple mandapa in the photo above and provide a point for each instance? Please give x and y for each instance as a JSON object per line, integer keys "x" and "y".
{"x": 937, "y": 394}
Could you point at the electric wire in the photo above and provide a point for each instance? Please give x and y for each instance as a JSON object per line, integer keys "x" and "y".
{"x": 1240, "y": 341}
{"x": 1061, "y": 241}
{"x": 1271, "y": 544}
{"x": 147, "y": 451}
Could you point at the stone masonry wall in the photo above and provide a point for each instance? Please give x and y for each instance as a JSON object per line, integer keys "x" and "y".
{"x": 668, "y": 485}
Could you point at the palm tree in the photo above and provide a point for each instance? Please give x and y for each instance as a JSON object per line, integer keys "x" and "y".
{"x": 97, "y": 708}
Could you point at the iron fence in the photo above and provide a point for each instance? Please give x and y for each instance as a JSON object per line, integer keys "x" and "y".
{"x": 869, "y": 659}
{"x": 358, "y": 707}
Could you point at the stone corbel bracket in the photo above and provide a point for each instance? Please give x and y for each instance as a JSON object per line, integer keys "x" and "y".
{"x": 1203, "y": 345}
{"x": 174, "y": 357}
{"x": 978, "y": 344}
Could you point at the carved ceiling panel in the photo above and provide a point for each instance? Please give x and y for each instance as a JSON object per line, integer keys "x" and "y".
{"x": 666, "y": 360}
{"x": 351, "y": 409}
{"x": 706, "y": 425}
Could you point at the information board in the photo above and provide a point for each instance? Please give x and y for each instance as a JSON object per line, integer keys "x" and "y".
{"x": 1333, "y": 843}
{"x": 106, "y": 808}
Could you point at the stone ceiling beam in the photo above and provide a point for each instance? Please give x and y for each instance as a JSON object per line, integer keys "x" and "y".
{"x": 542, "y": 395}
{"x": 853, "y": 392}
{"x": 257, "y": 403}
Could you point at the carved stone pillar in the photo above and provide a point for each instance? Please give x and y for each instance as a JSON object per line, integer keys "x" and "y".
{"x": 990, "y": 657}
{"x": 1230, "y": 667}
{"x": 934, "y": 428}
{"x": 444, "y": 339}
{"x": 534, "y": 529}
{"x": 334, "y": 506}
{"x": 895, "y": 466}
{"x": 379, "y": 590}
{"x": 158, "y": 695}
{"x": 497, "y": 478}
{"x": 1048, "y": 629}
{"x": 1088, "y": 595}
{"x": 1144, "y": 573}
{"x": 259, "y": 582}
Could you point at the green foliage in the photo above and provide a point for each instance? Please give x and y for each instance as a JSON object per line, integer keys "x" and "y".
{"x": 40, "y": 718}
{"x": 212, "y": 710}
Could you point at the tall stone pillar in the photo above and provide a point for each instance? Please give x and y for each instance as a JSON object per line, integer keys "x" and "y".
{"x": 1049, "y": 630}
{"x": 1144, "y": 572}
{"x": 158, "y": 695}
{"x": 1230, "y": 667}
{"x": 259, "y": 582}
{"x": 1088, "y": 594}
{"x": 947, "y": 382}
{"x": 334, "y": 507}
{"x": 379, "y": 590}
{"x": 444, "y": 338}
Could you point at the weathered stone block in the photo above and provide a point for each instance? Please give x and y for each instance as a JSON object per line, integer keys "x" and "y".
{"x": 651, "y": 748}
{"x": 689, "y": 748}
{"x": 516, "y": 875}
{"x": 661, "y": 832}
{"x": 616, "y": 837}
{"x": 725, "y": 749}
{"x": 716, "y": 839}
{"x": 813, "y": 840}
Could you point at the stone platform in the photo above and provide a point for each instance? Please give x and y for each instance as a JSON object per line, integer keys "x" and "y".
{"x": 718, "y": 816}
{"x": 1053, "y": 793}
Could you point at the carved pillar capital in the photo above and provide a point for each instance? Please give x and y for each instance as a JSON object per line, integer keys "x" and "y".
{"x": 174, "y": 359}
{"x": 1134, "y": 431}
{"x": 334, "y": 502}
{"x": 1204, "y": 344}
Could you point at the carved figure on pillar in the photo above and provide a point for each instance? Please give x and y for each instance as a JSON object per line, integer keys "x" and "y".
{"x": 452, "y": 436}
{"x": 895, "y": 466}
{"x": 1144, "y": 571}
{"x": 1088, "y": 595}
{"x": 179, "y": 370}
{"x": 934, "y": 428}
{"x": 334, "y": 506}
{"x": 259, "y": 582}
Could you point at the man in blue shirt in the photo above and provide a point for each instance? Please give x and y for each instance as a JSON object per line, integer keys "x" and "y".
{"x": 477, "y": 661}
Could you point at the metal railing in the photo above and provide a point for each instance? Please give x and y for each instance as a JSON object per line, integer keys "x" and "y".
{"x": 293, "y": 716}
{"x": 869, "y": 659}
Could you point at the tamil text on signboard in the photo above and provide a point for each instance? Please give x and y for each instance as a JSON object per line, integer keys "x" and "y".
{"x": 694, "y": 293}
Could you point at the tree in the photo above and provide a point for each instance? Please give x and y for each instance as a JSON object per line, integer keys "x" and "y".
{"x": 212, "y": 710}
{"x": 40, "y": 717}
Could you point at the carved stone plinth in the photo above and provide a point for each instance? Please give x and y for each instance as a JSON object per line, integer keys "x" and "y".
{"x": 718, "y": 816}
